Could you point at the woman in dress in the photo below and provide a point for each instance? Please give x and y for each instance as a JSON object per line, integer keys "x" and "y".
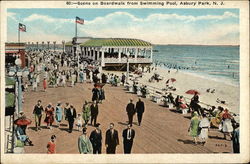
{"x": 49, "y": 119}
{"x": 204, "y": 126}
{"x": 59, "y": 113}
{"x": 44, "y": 84}
{"x": 193, "y": 129}
{"x": 227, "y": 127}
{"x": 51, "y": 146}
{"x": 86, "y": 112}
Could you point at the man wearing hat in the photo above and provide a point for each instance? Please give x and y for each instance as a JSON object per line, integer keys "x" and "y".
{"x": 112, "y": 139}
{"x": 96, "y": 139}
{"x": 71, "y": 115}
{"x": 128, "y": 137}
{"x": 130, "y": 109}
{"x": 38, "y": 109}
{"x": 84, "y": 144}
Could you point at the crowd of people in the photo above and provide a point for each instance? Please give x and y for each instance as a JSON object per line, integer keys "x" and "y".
{"x": 57, "y": 70}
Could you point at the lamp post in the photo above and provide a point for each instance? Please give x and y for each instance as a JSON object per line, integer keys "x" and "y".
{"x": 37, "y": 45}
{"x": 127, "y": 68}
{"x": 43, "y": 45}
{"x": 19, "y": 88}
{"x": 63, "y": 43}
{"x": 54, "y": 45}
{"x": 48, "y": 44}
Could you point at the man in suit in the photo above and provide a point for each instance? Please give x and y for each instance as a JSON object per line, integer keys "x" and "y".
{"x": 130, "y": 111}
{"x": 94, "y": 112}
{"x": 128, "y": 137}
{"x": 112, "y": 139}
{"x": 96, "y": 139}
{"x": 71, "y": 115}
{"x": 140, "y": 110}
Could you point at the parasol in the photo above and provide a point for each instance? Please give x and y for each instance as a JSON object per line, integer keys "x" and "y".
{"x": 172, "y": 80}
{"x": 192, "y": 92}
{"x": 99, "y": 85}
{"x": 25, "y": 121}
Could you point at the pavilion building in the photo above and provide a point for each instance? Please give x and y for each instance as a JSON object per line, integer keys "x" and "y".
{"x": 112, "y": 53}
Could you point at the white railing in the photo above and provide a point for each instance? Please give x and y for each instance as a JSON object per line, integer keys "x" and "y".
{"x": 124, "y": 60}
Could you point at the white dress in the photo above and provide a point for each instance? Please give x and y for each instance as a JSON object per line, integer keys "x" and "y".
{"x": 227, "y": 126}
{"x": 204, "y": 124}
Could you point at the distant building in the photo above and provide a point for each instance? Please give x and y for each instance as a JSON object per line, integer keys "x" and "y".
{"x": 13, "y": 51}
{"x": 112, "y": 52}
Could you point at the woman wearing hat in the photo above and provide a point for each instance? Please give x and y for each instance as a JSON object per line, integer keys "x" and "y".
{"x": 86, "y": 112}
{"x": 49, "y": 119}
{"x": 227, "y": 127}
{"x": 59, "y": 112}
{"x": 84, "y": 144}
{"x": 193, "y": 129}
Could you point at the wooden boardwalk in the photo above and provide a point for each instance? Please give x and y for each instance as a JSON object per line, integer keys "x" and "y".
{"x": 162, "y": 129}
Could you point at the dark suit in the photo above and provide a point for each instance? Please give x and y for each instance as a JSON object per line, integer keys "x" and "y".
{"x": 94, "y": 113}
{"x": 112, "y": 140}
{"x": 128, "y": 140}
{"x": 96, "y": 140}
{"x": 71, "y": 118}
{"x": 130, "y": 111}
{"x": 140, "y": 110}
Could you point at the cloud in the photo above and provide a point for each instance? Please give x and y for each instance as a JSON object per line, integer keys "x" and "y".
{"x": 12, "y": 16}
{"x": 156, "y": 28}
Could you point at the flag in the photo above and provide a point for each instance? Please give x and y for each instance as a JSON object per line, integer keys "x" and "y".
{"x": 79, "y": 20}
{"x": 22, "y": 27}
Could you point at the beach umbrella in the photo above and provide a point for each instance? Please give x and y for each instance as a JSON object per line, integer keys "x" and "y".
{"x": 172, "y": 80}
{"x": 22, "y": 121}
{"x": 192, "y": 92}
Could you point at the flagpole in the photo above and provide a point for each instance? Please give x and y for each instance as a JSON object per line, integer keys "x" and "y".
{"x": 76, "y": 29}
{"x": 18, "y": 38}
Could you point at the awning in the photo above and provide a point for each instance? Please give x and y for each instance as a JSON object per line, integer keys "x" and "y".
{"x": 9, "y": 81}
{"x": 9, "y": 100}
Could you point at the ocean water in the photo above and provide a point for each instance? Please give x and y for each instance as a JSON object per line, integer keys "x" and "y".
{"x": 220, "y": 63}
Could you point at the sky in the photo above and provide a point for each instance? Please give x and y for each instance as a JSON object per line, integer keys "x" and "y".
{"x": 158, "y": 26}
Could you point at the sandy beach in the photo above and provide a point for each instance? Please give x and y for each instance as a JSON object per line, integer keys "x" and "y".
{"x": 186, "y": 81}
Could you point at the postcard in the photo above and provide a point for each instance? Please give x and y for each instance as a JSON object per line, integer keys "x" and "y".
{"x": 124, "y": 81}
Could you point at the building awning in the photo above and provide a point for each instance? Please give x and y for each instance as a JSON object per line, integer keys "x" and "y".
{"x": 9, "y": 81}
{"x": 9, "y": 100}
{"x": 115, "y": 42}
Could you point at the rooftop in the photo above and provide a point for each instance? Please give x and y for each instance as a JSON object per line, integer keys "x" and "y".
{"x": 115, "y": 42}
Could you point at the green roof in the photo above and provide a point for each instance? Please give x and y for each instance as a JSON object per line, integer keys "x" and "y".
{"x": 9, "y": 99}
{"x": 115, "y": 42}
{"x": 68, "y": 44}
{"x": 9, "y": 81}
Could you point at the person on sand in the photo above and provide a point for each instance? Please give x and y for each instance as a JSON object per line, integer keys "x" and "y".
{"x": 204, "y": 126}
{"x": 84, "y": 144}
{"x": 193, "y": 128}
{"x": 227, "y": 127}
{"x": 51, "y": 146}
